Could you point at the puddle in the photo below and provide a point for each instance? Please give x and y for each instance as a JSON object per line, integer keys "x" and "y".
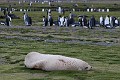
{"x": 62, "y": 41}
{"x": 23, "y": 38}
{"x": 2, "y": 61}
{"x": 81, "y": 42}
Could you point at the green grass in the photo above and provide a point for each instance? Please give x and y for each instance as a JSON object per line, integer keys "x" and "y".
{"x": 38, "y": 15}
{"x": 64, "y": 5}
{"x": 104, "y": 59}
{"x": 16, "y": 43}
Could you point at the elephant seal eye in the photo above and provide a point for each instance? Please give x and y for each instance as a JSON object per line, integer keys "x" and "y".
{"x": 86, "y": 68}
